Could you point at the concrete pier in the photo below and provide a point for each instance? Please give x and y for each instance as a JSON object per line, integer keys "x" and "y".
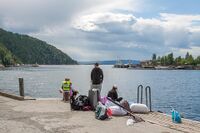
{"x": 53, "y": 115}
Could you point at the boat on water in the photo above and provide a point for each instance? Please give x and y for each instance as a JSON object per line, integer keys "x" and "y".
{"x": 35, "y": 65}
{"x": 162, "y": 67}
{"x": 119, "y": 64}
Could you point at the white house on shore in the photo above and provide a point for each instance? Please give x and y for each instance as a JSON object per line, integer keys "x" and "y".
{"x": 1, "y": 66}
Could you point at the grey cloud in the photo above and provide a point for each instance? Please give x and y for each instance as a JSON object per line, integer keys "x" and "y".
{"x": 31, "y": 16}
{"x": 37, "y": 17}
{"x": 118, "y": 34}
{"x": 177, "y": 38}
{"x": 150, "y": 37}
{"x": 195, "y": 38}
{"x": 116, "y": 27}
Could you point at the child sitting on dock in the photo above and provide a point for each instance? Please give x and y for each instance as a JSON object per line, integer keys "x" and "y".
{"x": 73, "y": 95}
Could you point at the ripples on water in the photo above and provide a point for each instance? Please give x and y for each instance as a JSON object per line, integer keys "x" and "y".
{"x": 170, "y": 88}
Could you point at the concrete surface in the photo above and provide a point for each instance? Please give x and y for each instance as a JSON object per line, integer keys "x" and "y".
{"x": 55, "y": 116}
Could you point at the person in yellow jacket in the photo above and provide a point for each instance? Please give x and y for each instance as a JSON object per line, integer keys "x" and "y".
{"x": 66, "y": 89}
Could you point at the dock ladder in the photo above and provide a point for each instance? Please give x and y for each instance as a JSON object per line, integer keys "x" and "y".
{"x": 147, "y": 95}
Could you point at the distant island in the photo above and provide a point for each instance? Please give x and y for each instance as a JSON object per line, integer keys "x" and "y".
{"x": 17, "y": 49}
{"x": 167, "y": 62}
{"x": 108, "y": 62}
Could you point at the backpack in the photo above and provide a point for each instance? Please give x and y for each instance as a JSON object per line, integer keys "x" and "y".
{"x": 80, "y": 102}
{"x": 101, "y": 112}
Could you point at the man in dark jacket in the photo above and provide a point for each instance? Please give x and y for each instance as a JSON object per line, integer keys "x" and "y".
{"x": 96, "y": 77}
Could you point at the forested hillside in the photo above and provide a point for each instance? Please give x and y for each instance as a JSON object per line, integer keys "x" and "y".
{"x": 6, "y": 57}
{"x": 16, "y": 48}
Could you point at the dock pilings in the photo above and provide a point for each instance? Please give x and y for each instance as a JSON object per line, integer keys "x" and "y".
{"x": 21, "y": 95}
{"x": 21, "y": 87}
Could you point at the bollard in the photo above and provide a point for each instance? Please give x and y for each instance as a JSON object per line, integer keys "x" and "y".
{"x": 21, "y": 87}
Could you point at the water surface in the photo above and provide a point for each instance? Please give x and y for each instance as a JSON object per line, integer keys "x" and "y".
{"x": 179, "y": 89}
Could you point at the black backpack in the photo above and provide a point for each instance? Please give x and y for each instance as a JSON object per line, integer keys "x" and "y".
{"x": 79, "y": 102}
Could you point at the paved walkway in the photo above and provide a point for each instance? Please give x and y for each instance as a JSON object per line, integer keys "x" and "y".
{"x": 187, "y": 126}
{"x": 54, "y": 116}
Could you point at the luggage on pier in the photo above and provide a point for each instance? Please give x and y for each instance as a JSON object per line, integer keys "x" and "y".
{"x": 101, "y": 112}
{"x": 80, "y": 102}
{"x": 139, "y": 108}
{"x": 117, "y": 111}
{"x": 93, "y": 96}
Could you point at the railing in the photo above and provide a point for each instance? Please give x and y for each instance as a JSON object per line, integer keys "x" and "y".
{"x": 147, "y": 95}
{"x": 139, "y": 94}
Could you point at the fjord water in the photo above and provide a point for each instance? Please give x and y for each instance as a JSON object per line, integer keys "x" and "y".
{"x": 179, "y": 89}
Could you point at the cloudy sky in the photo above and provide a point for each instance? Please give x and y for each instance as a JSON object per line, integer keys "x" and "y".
{"x": 108, "y": 29}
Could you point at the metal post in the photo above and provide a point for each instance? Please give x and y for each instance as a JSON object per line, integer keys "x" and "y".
{"x": 148, "y": 96}
{"x": 141, "y": 100}
{"x": 139, "y": 96}
{"x": 21, "y": 87}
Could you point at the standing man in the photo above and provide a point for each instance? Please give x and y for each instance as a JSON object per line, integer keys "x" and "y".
{"x": 66, "y": 88}
{"x": 97, "y": 77}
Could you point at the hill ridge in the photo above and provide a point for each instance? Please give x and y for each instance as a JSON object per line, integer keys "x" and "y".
{"x": 30, "y": 50}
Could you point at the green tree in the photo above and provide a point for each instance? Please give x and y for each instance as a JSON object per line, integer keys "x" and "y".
{"x": 158, "y": 61}
{"x": 183, "y": 62}
{"x": 6, "y": 56}
{"x": 163, "y": 60}
{"x": 190, "y": 60}
{"x": 187, "y": 55}
{"x": 178, "y": 60}
{"x": 170, "y": 59}
{"x": 197, "y": 60}
{"x": 154, "y": 56}
{"x": 154, "y": 59}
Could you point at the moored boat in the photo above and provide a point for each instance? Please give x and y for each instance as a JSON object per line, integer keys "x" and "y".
{"x": 35, "y": 65}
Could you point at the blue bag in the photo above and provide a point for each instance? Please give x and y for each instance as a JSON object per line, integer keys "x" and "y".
{"x": 176, "y": 117}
